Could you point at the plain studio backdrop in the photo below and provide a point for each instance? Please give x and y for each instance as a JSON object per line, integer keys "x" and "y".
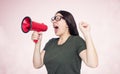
{"x": 16, "y": 47}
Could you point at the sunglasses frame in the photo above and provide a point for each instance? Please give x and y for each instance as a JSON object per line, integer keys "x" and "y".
{"x": 56, "y": 18}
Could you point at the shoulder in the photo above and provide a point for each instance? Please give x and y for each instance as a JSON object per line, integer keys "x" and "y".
{"x": 52, "y": 40}
{"x": 50, "y": 43}
{"x": 79, "y": 43}
{"x": 77, "y": 38}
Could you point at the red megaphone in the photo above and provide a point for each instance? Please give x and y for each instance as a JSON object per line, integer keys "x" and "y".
{"x": 27, "y": 25}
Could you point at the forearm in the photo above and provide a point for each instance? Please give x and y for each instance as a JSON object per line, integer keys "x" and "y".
{"x": 91, "y": 54}
{"x": 37, "y": 61}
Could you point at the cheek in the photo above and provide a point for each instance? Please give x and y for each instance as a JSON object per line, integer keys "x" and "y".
{"x": 64, "y": 29}
{"x": 63, "y": 26}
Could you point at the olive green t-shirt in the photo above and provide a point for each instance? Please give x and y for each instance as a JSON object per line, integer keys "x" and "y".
{"x": 64, "y": 59}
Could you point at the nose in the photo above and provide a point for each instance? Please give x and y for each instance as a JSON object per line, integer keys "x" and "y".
{"x": 54, "y": 21}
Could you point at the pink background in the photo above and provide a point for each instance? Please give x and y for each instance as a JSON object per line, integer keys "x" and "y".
{"x": 16, "y": 47}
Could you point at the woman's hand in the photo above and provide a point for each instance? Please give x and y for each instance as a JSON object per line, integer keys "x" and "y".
{"x": 36, "y": 36}
{"x": 84, "y": 27}
{"x": 38, "y": 55}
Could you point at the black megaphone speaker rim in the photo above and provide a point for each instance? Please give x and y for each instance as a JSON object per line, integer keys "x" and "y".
{"x": 30, "y": 24}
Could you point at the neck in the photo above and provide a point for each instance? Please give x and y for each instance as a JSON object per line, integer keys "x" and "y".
{"x": 63, "y": 38}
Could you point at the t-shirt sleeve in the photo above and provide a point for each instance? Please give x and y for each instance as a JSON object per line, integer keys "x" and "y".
{"x": 48, "y": 44}
{"x": 80, "y": 44}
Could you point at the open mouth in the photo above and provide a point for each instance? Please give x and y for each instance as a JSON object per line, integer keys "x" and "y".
{"x": 56, "y": 27}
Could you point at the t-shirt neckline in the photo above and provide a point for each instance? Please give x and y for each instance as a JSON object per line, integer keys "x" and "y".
{"x": 64, "y": 42}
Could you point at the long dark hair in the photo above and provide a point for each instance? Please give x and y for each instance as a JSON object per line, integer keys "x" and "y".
{"x": 68, "y": 17}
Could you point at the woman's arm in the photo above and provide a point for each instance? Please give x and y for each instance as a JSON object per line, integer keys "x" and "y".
{"x": 89, "y": 56}
{"x": 38, "y": 55}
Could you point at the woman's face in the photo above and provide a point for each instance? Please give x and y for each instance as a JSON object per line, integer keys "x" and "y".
{"x": 59, "y": 24}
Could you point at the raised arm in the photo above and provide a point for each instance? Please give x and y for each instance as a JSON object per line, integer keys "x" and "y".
{"x": 89, "y": 56}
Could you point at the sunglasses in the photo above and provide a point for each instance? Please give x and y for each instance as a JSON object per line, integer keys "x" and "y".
{"x": 56, "y": 18}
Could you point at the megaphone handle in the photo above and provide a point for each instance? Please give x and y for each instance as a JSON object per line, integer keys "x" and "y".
{"x": 35, "y": 41}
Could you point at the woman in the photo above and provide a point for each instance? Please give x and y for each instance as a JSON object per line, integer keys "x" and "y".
{"x": 63, "y": 55}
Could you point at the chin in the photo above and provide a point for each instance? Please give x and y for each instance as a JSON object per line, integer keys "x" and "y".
{"x": 57, "y": 34}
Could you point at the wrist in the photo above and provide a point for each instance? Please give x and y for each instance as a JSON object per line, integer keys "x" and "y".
{"x": 86, "y": 33}
{"x": 38, "y": 44}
